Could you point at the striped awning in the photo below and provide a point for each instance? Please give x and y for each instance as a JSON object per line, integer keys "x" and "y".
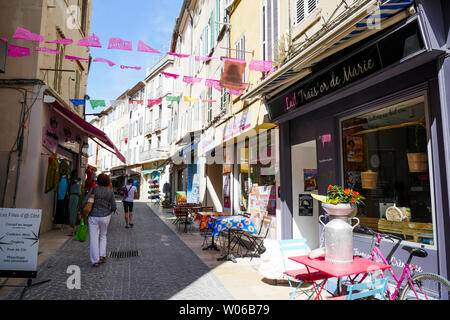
{"x": 300, "y": 66}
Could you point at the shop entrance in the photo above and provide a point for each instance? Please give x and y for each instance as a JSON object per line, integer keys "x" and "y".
{"x": 304, "y": 182}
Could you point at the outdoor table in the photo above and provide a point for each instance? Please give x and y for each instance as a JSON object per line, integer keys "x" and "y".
{"x": 223, "y": 223}
{"x": 206, "y": 222}
{"x": 357, "y": 267}
{"x": 185, "y": 211}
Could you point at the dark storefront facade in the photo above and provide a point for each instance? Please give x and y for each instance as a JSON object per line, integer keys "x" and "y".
{"x": 374, "y": 117}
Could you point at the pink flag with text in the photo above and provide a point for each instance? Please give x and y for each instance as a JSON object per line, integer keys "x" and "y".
{"x": 260, "y": 65}
{"x": 213, "y": 83}
{"x": 145, "y": 48}
{"x": 179, "y": 55}
{"x": 24, "y": 34}
{"x": 44, "y": 49}
{"x": 129, "y": 67}
{"x": 76, "y": 58}
{"x": 17, "y": 51}
{"x": 105, "y": 60}
{"x": 120, "y": 44}
{"x": 189, "y": 79}
{"x": 235, "y": 92}
{"x": 92, "y": 41}
{"x": 152, "y": 102}
{"x": 199, "y": 58}
{"x": 170, "y": 75}
{"x": 61, "y": 41}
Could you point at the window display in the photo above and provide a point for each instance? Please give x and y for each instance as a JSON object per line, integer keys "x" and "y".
{"x": 385, "y": 158}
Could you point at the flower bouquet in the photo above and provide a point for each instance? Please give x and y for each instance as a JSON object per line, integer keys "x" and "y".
{"x": 339, "y": 201}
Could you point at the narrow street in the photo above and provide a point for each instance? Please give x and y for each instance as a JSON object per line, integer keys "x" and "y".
{"x": 165, "y": 269}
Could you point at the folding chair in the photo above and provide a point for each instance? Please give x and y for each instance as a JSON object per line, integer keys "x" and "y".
{"x": 257, "y": 240}
{"x": 364, "y": 290}
{"x": 297, "y": 247}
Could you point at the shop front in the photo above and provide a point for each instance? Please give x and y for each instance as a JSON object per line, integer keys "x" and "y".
{"x": 372, "y": 117}
{"x": 250, "y": 165}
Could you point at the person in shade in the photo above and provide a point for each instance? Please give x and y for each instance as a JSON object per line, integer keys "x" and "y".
{"x": 129, "y": 192}
{"x": 104, "y": 205}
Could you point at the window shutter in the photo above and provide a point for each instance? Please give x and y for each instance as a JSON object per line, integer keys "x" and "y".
{"x": 300, "y": 11}
{"x": 312, "y": 4}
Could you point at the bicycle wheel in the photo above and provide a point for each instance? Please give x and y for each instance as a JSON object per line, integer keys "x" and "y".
{"x": 427, "y": 286}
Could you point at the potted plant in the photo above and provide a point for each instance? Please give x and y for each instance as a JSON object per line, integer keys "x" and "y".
{"x": 339, "y": 201}
{"x": 417, "y": 161}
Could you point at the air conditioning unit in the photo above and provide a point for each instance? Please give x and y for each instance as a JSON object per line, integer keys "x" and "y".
{"x": 3, "y": 55}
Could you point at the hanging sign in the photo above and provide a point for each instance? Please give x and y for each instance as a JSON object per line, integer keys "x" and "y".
{"x": 19, "y": 242}
{"x": 50, "y": 138}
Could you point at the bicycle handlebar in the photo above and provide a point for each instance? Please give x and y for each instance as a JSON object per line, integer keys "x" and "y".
{"x": 373, "y": 233}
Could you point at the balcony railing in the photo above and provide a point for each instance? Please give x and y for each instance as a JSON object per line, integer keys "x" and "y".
{"x": 148, "y": 128}
{"x": 153, "y": 154}
{"x": 156, "y": 125}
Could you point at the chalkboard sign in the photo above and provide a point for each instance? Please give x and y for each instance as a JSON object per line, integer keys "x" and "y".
{"x": 305, "y": 205}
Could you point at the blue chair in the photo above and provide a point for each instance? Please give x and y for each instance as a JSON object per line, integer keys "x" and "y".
{"x": 364, "y": 290}
{"x": 300, "y": 275}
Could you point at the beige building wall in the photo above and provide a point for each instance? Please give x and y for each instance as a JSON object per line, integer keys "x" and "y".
{"x": 50, "y": 19}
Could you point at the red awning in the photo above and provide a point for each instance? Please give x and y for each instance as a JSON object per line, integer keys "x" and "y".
{"x": 94, "y": 133}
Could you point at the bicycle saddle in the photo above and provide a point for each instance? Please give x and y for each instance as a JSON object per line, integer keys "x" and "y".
{"x": 417, "y": 252}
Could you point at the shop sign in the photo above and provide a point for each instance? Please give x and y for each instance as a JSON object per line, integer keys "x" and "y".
{"x": 349, "y": 71}
{"x": 19, "y": 241}
{"x": 235, "y": 127}
{"x": 50, "y": 138}
{"x": 208, "y": 141}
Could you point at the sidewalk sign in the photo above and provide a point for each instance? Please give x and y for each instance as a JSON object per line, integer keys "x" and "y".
{"x": 19, "y": 242}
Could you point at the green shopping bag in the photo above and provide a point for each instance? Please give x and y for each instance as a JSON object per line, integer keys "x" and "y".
{"x": 82, "y": 231}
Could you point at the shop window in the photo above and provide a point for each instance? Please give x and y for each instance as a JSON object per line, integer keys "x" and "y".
{"x": 262, "y": 184}
{"x": 385, "y": 158}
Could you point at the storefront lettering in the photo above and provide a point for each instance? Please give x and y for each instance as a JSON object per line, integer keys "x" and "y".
{"x": 344, "y": 73}
{"x": 334, "y": 81}
{"x": 361, "y": 68}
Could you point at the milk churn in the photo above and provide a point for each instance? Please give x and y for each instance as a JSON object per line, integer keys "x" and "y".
{"x": 338, "y": 234}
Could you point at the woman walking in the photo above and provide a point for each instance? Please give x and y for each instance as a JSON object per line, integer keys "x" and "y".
{"x": 104, "y": 205}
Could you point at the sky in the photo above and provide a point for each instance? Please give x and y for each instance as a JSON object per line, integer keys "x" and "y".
{"x": 151, "y": 21}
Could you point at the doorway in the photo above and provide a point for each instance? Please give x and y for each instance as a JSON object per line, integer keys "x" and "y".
{"x": 304, "y": 182}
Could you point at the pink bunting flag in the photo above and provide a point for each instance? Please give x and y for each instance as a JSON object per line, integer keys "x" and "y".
{"x": 119, "y": 44}
{"x": 213, "y": 83}
{"x": 104, "y": 60}
{"x": 92, "y": 41}
{"x": 189, "y": 79}
{"x": 170, "y": 75}
{"x": 5, "y": 38}
{"x": 61, "y": 41}
{"x": 76, "y": 58}
{"x": 145, "y": 48}
{"x": 16, "y": 51}
{"x": 234, "y": 60}
{"x": 152, "y": 102}
{"x": 179, "y": 55}
{"x": 24, "y": 34}
{"x": 129, "y": 67}
{"x": 260, "y": 65}
{"x": 203, "y": 59}
{"x": 235, "y": 92}
{"x": 43, "y": 49}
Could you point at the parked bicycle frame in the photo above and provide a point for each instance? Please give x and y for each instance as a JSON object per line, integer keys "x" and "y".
{"x": 414, "y": 287}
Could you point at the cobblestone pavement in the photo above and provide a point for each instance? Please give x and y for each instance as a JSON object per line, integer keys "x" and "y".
{"x": 166, "y": 269}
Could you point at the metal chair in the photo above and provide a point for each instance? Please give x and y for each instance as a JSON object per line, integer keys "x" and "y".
{"x": 364, "y": 290}
{"x": 300, "y": 275}
{"x": 257, "y": 240}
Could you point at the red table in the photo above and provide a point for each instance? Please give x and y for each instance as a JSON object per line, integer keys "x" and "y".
{"x": 357, "y": 267}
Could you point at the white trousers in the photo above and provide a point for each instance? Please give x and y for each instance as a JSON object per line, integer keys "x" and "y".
{"x": 98, "y": 227}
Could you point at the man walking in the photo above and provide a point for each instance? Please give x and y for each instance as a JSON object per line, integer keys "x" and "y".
{"x": 129, "y": 191}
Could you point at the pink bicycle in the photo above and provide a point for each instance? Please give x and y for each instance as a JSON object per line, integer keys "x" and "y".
{"x": 423, "y": 286}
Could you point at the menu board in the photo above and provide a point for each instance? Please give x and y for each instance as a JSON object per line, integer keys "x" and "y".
{"x": 19, "y": 242}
